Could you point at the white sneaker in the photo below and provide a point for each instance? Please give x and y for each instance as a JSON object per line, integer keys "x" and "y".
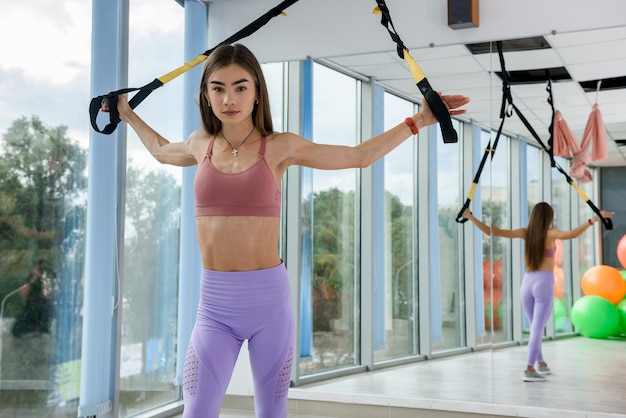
{"x": 533, "y": 376}
{"x": 544, "y": 369}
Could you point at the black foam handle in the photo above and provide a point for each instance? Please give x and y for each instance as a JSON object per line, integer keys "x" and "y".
{"x": 440, "y": 111}
{"x": 459, "y": 216}
{"x": 97, "y": 103}
{"x": 608, "y": 224}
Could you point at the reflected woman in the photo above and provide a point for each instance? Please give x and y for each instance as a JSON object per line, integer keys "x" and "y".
{"x": 537, "y": 290}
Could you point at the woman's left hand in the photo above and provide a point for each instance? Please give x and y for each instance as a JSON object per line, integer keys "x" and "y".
{"x": 606, "y": 214}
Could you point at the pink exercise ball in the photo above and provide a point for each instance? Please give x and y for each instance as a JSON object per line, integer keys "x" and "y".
{"x": 621, "y": 251}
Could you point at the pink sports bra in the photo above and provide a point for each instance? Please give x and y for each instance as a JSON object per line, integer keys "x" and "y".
{"x": 252, "y": 192}
{"x": 549, "y": 252}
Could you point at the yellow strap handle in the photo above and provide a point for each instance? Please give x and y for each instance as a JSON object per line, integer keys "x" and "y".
{"x": 416, "y": 71}
{"x": 185, "y": 67}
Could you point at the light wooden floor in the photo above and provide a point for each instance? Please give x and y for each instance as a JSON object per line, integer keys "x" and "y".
{"x": 588, "y": 380}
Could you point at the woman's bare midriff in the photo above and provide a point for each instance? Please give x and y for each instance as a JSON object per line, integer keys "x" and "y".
{"x": 238, "y": 243}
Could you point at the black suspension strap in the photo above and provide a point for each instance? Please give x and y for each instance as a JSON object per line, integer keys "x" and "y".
{"x": 433, "y": 99}
{"x": 505, "y": 112}
{"x": 97, "y": 102}
{"x": 507, "y": 98}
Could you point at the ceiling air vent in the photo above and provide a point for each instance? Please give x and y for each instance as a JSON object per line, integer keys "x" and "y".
{"x": 605, "y": 84}
{"x": 538, "y": 75}
{"x": 510, "y": 45}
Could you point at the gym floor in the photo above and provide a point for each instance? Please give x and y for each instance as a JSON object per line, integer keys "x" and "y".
{"x": 588, "y": 380}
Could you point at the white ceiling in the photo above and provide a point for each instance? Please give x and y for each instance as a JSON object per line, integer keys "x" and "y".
{"x": 588, "y": 41}
{"x": 588, "y": 55}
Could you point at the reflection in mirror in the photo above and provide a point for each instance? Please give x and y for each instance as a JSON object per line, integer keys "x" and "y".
{"x": 332, "y": 223}
{"x": 446, "y": 305}
{"x": 398, "y": 338}
{"x": 497, "y": 251}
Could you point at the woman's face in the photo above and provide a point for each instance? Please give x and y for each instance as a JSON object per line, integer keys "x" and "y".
{"x": 231, "y": 91}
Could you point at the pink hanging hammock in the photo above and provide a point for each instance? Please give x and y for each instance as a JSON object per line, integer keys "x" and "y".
{"x": 565, "y": 144}
{"x": 595, "y": 135}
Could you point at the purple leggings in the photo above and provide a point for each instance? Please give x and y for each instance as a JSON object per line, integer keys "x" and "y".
{"x": 537, "y": 294}
{"x": 238, "y": 306}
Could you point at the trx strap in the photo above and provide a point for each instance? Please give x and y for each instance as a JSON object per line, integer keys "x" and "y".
{"x": 433, "y": 99}
{"x": 97, "y": 102}
{"x": 505, "y": 111}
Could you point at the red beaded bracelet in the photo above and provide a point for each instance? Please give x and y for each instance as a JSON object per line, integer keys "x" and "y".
{"x": 590, "y": 221}
{"x": 411, "y": 124}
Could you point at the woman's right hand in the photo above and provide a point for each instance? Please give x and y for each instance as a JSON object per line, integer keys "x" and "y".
{"x": 123, "y": 108}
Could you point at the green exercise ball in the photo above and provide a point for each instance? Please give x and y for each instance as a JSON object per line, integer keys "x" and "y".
{"x": 621, "y": 310}
{"x": 595, "y": 317}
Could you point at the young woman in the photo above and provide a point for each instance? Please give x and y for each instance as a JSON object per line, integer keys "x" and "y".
{"x": 537, "y": 291}
{"x": 245, "y": 292}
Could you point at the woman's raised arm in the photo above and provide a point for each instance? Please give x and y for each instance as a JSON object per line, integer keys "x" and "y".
{"x": 333, "y": 157}
{"x": 178, "y": 153}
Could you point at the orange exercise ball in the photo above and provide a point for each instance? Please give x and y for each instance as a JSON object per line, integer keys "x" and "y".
{"x": 604, "y": 281}
{"x": 621, "y": 251}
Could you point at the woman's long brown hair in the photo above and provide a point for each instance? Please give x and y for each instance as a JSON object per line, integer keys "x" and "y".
{"x": 541, "y": 218}
{"x": 226, "y": 55}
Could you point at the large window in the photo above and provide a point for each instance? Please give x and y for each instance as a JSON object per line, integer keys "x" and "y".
{"x": 587, "y": 241}
{"x": 497, "y": 250}
{"x": 563, "y": 271}
{"x": 451, "y": 331}
{"x": 534, "y": 174}
{"x": 43, "y": 203}
{"x": 398, "y": 336}
{"x": 152, "y": 217}
{"x": 333, "y": 227}
{"x": 42, "y": 239}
